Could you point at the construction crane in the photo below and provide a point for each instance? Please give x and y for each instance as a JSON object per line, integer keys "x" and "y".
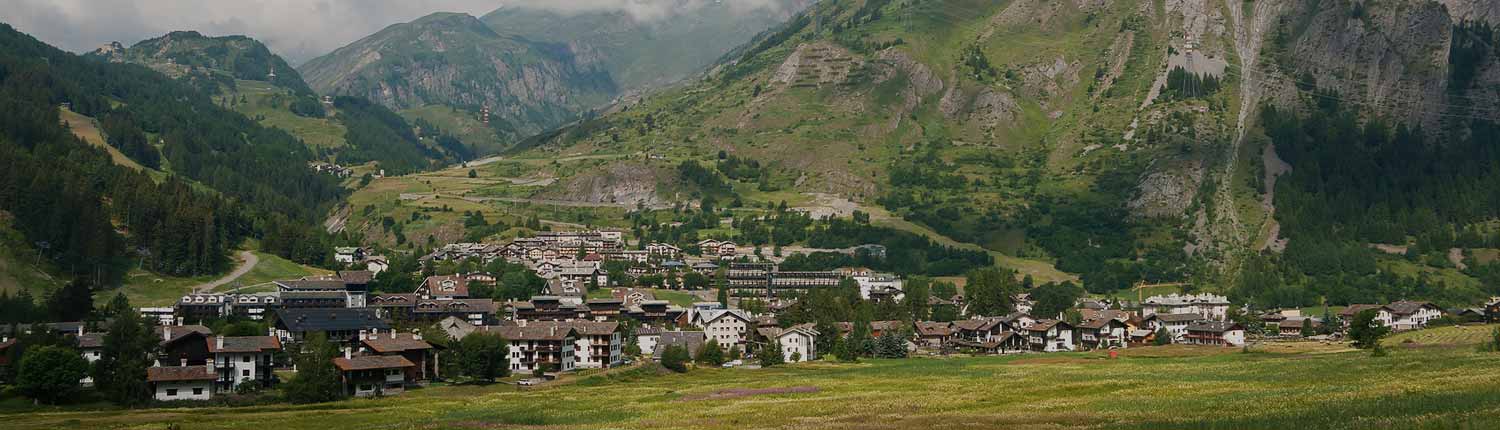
{"x": 1140, "y": 286}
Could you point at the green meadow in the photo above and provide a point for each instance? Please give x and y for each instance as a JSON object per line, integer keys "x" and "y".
{"x": 1289, "y": 385}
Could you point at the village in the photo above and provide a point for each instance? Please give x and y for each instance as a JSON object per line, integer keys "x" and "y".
{"x": 583, "y": 319}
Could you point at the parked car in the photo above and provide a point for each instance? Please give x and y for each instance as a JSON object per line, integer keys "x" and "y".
{"x": 529, "y": 382}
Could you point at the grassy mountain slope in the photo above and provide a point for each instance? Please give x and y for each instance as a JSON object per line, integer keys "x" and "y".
{"x": 1121, "y": 140}
{"x": 646, "y": 53}
{"x": 210, "y": 60}
{"x": 454, "y": 59}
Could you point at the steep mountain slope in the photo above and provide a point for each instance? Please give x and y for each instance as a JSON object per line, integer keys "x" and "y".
{"x": 1123, "y": 140}
{"x": 641, "y": 53}
{"x": 93, "y": 219}
{"x": 242, "y": 75}
{"x": 454, "y": 59}
{"x": 219, "y": 60}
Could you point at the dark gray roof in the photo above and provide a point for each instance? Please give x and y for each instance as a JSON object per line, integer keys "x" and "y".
{"x": 336, "y": 319}
{"x": 692, "y": 339}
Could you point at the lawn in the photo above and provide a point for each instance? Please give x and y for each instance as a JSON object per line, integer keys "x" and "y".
{"x": 679, "y": 298}
{"x": 1173, "y": 387}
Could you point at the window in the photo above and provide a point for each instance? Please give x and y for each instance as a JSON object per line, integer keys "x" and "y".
{"x": 245, "y": 359}
{"x": 171, "y": 392}
{"x": 197, "y": 391}
{"x": 245, "y": 372}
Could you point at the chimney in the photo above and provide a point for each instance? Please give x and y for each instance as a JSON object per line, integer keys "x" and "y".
{"x": 166, "y": 333}
{"x": 210, "y": 366}
{"x": 156, "y": 363}
{"x": 393, "y": 332}
{"x": 520, "y": 323}
{"x": 348, "y": 353}
{"x": 80, "y": 330}
{"x": 218, "y": 343}
{"x": 364, "y": 335}
{"x": 179, "y": 320}
{"x": 184, "y": 362}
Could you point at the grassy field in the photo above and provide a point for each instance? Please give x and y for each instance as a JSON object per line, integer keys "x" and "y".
{"x": 1462, "y": 335}
{"x": 269, "y": 103}
{"x": 1311, "y": 386}
{"x": 679, "y": 298}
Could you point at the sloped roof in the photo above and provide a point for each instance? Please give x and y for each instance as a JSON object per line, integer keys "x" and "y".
{"x": 1044, "y": 325}
{"x": 594, "y": 328}
{"x": 385, "y": 342}
{"x": 370, "y": 362}
{"x": 1405, "y": 307}
{"x": 533, "y": 330}
{"x": 1213, "y": 326}
{"x": 693, "y": 340}
{"x": 356, "y": 276}
{"x": 933, "y": 328}
{"x": 334, "y": 319}
{"x": 91, "y": 340}
{"x": 312, "y": 284}
{"x": 1177, "y": 317}
{"x": 452, "y": 285}
{"x": 245, "y": 344}
{"x": 180, "y": 373}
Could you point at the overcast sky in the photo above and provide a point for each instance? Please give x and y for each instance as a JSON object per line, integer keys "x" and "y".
{"x": 296, "y": 29}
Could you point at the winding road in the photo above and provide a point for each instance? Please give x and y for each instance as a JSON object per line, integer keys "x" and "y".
{"x": 249, "y": 260}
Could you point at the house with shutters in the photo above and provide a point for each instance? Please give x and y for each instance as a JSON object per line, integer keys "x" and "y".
{"x": 182, "y": 382}
{"x": 598, "y": 345}
{"x": 239, "y": 360}
{"x": 1176, "y": 324}
{"x": 1050, "y": 336}
{"x": 538, "y": 345}
{"x": 798, "y": 343}
{"x": 411, "y": 346}
{"x": 933, "y": 334}
{"x": 1218, "y": 333}
{"x": 372, "y": 375}
{"x": 1398, "y": 316}
{"x": 1103, "y": 333}
{"x": 728, "y": 327}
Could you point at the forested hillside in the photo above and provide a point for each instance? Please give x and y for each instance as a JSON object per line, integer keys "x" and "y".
{"x": 95, "y": 218}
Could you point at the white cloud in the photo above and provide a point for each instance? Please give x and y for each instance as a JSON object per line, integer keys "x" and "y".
{"x": 296, "y": 29}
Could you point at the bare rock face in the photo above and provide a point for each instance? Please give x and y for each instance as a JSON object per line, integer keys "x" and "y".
{"x": 1391, "y": 58}
{"x": 1473, "y": 10}
{"x": 1168, "y": 193}
{"x": 817, "y": 65}
{"x": 628, "y": 183}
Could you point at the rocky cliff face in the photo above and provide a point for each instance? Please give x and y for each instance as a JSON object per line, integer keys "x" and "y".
{"x": 454, "y": 59}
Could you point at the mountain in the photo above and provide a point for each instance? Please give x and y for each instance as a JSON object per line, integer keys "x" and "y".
{"x": 644, "y": 53}
{"x": 213, "y": 59}
{"x": 211, "y": 177}
{"x": 242, "y": 75}
{"x": 454, "y": 59}
{"x": 1268, "y": 149}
